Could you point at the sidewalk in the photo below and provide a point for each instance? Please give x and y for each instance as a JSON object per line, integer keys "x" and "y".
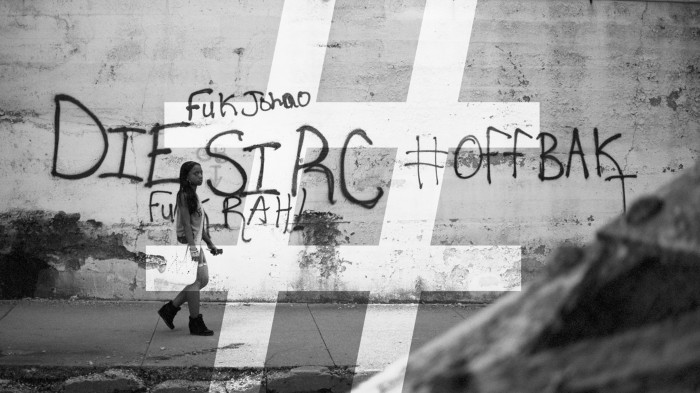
{"x": 105, "y": 334}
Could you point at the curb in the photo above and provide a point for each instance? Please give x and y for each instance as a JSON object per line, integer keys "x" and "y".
{"x": 113, "y": 380}
{"x": 181, "y": 386}
{"x": 179, "y": 380}
{"x": 241, "y": 385}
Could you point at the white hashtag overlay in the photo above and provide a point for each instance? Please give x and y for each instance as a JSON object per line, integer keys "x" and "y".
{"x": 268, "y": 263}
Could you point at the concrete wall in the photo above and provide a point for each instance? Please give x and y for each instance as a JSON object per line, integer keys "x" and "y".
{"x": 72, "y": 222}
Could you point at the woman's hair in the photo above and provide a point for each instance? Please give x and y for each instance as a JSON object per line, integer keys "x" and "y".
{"x": 186, "y": 189}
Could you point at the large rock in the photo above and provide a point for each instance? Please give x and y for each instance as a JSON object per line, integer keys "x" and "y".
{"x": 620, "y": 315}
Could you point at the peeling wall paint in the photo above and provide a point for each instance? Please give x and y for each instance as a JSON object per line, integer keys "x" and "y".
{"x": 600, "y": 68}
{"x": 321, "y": 228}
{"x": 46, "y": 254}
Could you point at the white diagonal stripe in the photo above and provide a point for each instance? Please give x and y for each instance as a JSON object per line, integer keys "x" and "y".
{"x": 301, "y": 46}
{"x": 442, "y": 50}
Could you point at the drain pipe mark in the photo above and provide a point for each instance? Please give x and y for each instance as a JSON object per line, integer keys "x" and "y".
{"x": 148, "y": 347}
{"x": 8, "y": 311}
{"x": 321, "y": 334}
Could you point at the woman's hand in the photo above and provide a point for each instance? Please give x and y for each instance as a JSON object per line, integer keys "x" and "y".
{"x": 194, "y": 252}
{"x": 212, "y": 248}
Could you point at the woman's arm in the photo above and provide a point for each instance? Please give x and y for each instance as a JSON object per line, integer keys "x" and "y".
{"x": 184, "y": 213}
{"x": 210, "y": 244}
{"x": 207, "y": 239}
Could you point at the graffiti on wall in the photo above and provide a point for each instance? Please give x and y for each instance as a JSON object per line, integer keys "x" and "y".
{"x": 480, "y": 148}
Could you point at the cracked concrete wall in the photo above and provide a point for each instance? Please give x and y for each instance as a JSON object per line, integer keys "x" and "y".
{"x": 630, "y": 68}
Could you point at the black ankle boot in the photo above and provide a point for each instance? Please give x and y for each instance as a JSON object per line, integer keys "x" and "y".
{"x": 198, "y": 328}
{"x": 167, "y": 312}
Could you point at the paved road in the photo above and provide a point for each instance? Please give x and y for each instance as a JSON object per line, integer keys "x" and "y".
{"x": 105, "y": 334}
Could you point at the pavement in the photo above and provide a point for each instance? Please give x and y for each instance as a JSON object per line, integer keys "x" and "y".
{"x": 61, "y": 341}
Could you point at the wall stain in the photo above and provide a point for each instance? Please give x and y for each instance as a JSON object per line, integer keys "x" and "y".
{"x": 211, "y": 53}
{"x": 419, "y": 286}
{"x": 117, "y": 56}
{"x": 532, "y": 260}
{"x": 38, "y": 240}
{"x": 519, "y": 75}
{"x": 321, "y": 229}
{"x": 107, "y": 73}
{"x": 469, "y": 158}
{"x": 541, "y": 249}
{"x": 670, "y": 99}
{"x": 16, "y": 116}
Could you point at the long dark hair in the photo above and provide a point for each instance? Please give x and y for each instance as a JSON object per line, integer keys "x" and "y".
{"x": 186, "y": 189}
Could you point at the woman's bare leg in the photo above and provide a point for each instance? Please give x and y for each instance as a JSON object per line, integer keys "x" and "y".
{"x": 190, "y": 293}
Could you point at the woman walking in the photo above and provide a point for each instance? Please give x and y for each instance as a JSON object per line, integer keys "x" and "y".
{"x": 190, "y": 230}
